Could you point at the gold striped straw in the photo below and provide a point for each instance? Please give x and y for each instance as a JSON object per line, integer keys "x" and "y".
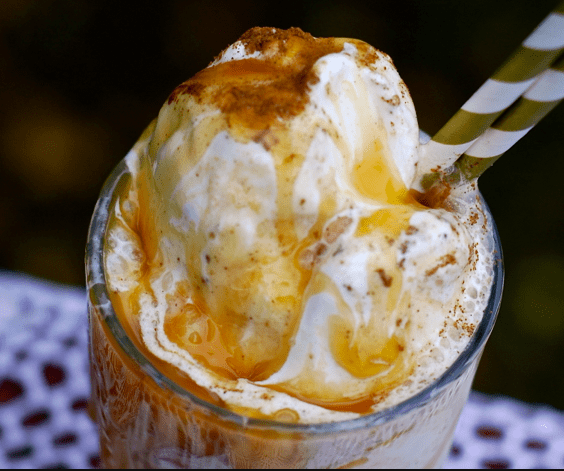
{"x": 513, "y": 124}
{"x": 525, "y": 67}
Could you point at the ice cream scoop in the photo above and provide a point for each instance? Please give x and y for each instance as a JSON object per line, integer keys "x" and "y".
{"x": 268, "y": 245}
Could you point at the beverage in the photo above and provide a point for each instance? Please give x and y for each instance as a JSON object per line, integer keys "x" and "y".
{"x": 257, "y": 299}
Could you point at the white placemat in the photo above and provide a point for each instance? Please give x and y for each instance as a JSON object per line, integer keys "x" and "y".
{"x": 44, "y": 387}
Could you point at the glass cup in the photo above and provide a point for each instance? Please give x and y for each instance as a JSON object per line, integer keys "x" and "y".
{"x": 147, "y": 420}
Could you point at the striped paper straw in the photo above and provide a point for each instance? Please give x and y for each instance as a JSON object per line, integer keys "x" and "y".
{"x": 518, "y": 120}
{"x": 496, "y": 95}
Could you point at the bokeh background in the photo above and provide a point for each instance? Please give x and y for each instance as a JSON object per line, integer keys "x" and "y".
{"x": 79, "y": 80}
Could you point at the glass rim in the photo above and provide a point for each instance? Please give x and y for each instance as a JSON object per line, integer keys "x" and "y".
{"x": 99, "y": 297}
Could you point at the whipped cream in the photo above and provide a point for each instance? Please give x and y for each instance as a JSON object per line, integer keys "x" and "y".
{"x": 268, "y": 245}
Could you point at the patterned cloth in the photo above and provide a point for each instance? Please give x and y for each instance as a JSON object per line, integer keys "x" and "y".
{"x": 44, "y": 387}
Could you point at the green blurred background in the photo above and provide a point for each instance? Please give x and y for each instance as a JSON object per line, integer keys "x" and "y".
{"x": 79, "y": 80}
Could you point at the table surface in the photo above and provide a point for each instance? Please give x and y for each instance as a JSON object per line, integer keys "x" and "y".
{"x": 45, "y": 385}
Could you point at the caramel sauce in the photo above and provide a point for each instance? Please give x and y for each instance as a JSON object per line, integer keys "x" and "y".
{"x": 199, "y": 335}
{"x": 240, "y": 319}
{"x": 127, "y": 312}
{"x": 362, "y": 356}
{"x": 361, "y": 405}
{"x": 212, "y": 333}
{"x": 373, "y": 177}
{"x": 392, "y": 221}
{"x": 434, "y": 197}
{"x": 376, "y": 177}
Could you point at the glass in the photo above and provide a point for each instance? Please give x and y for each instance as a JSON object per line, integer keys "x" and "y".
{"x": 146, "y": 420}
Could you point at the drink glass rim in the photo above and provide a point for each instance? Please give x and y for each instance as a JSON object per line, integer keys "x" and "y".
{"x": 99, "y": 297}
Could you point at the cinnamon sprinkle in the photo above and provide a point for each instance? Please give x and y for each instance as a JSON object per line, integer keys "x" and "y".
{"x": 255, "y": 92}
